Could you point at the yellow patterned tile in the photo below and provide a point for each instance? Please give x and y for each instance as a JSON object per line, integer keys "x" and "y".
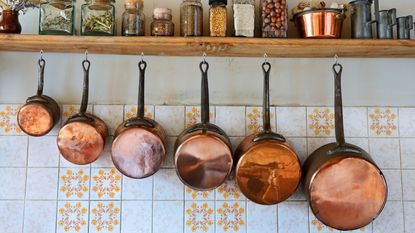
{"x": 254, "y": 123}
{"x": 199, "y": 195}
{"x": 74, "y": 184}
{"x": 230, "y": 216}
{"x": 228, "y": 191}
{"x": 199, "y": 217}
{"x": 106, "y": 184}
{"x": 193, "y": 115}
{"x": 8, "y": 120}
{"x": 383, "y": 122}
{"x": 105, "y": 217}
{"x": 72, "y": 217}
{"x": 320, "y": 122}
{"x": 130, "y": 111}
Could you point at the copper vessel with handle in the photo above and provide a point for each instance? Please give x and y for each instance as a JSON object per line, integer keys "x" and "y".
{"x": 320, "y": 24}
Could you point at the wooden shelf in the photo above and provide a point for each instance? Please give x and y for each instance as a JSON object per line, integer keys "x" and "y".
{"x": 195, "y": 46}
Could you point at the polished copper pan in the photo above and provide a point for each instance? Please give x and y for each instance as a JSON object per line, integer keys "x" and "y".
{"x": 40, "y": 113}
{"x": 139, "y": 145}
{"x": 319, "y": 24}
{"x": 344, "y": 186}
{"x": 268, "y": 170}
{"x": 82, "y": 138}
{"x": 203, "y": 155}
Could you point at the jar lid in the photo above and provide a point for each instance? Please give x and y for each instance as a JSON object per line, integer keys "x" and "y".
{"x": 211, "y": 2}
{"x": 160, "y": 12}
{"x": 134, "y": 4}
{"x": 100, "y": 1}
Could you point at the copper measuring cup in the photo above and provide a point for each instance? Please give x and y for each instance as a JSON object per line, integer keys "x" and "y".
{"x": 344, "y": 186}
{"x": 40, "y": 113}
{"x": 203, "y": 154}
{"x": 82, "y": 138}
{"x": 268, "y": 170}
{"x": 139, "y": 145}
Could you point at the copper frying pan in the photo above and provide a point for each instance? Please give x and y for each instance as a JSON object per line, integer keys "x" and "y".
{"x": 40, "y": 113}
{"x": 268, "y": 170}
{"x": 203, "y": 155}
{"x": 344, "y": 186}
{"x": 139, "y": 145}
{"x": 82, "y": 138}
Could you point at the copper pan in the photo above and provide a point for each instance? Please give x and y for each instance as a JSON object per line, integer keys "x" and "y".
{"x": 319, "y": 24}
{"x": 203, "y": 155}
{"x": 40, "y": 113}
{"x": 344, "y": 186}
{"x": 268, "y": 170}
{"x": 139, "y": 145}
{"x": 82, "y": 138}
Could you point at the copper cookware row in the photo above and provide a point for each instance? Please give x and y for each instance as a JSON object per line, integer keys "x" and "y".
{"x": 344, "y": 186}
{"x": 268, "y": 170}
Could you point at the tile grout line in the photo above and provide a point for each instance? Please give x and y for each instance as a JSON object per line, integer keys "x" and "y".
{"x": 57, "y": 196}
{"x": 401, "y": 171}
{"x": 25, "y": 185}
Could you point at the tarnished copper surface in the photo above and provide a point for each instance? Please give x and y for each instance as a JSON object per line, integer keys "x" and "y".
{"x": 137, "y": 152}
{"x": 268, "y": 172}
{"x": 347, "y": 192}
{"x": 320, "y": 23}
{"x": 35, "y": 119}
{"x": 203, "y": 161}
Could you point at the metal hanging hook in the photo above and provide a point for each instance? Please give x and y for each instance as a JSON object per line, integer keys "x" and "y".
{"x": 204, "y": 56}
{"x": 336, "y": 59}
{"x": 41, "y": 54}
{"x": 142, "y": 56}
{"x": 265, "y": 57}
{"x": 86, "y": 54}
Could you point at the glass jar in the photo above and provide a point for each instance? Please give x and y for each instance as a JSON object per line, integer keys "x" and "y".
{"x": 133, "y": 18}
{"x": 162, "y": 24}
{"x": 218, "y": 17}
{"x": 191, "y": 18}
{"x": 244, "y": 17}
{"x": 56, "y": 17}
{"x": 274, "y": 18}
{"x": 97, "y": 18}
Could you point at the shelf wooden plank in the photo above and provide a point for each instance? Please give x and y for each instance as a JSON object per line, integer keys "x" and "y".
{"x": 195, "y": 46}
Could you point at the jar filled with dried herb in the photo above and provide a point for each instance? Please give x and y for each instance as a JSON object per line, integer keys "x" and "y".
{"x": 274, "y": 18}
{"x": 97, "y": 18}
{"x": 244, "y": 17}
{"x": 162, "y": 24}
{"x": 133, "y": 18}
{"x": 218, "y": 17}
{"x": 191, "y": 18}
{"x": 56, "y": 17}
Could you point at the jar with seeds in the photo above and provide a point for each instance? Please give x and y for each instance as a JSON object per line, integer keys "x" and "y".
{"x": 133, "y": 18}
{"x": 191, "y": 18}
{"x": 162, "y": 24}
{"x": 218, "y": 17}
{"x": 56, "y": 17}
{"x": 244, "y": 17}
{"x": 98, "y": 18}
{"x": 274, "y": 18}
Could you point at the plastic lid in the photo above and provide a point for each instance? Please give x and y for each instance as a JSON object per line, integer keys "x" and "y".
{"x": 211, "y": 2}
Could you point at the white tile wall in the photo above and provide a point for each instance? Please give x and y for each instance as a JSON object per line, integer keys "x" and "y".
{"x": 41, "y": 192}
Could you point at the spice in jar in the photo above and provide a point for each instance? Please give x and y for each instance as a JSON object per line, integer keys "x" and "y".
{"x": 217, "y": 17}
{"x": 162, "y": 24}
{"x": 191, "y": 18}
{"x": 56, "y": 17}
{"x": 97, "y": 18}
{"x": 274, "y": 18}
{"x": 133, "y": 18}
{"x": 244, "y": 17}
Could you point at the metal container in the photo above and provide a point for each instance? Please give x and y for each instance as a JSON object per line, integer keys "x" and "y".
{"x": 387, "y": 20}
{"x": 361, "y": 19}
{"x": 320, "y": 24}
{"x": 405, "y": 25}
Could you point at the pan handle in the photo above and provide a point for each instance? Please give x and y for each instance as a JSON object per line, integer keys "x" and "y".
{"x": 268, "y": 136}
{"x": 86, "y": 64}
{"x": 142, "y": 65}
{"x": 41, "y": 64}
{"x": 266, "y": 68}
{"x": 338, "y": 69}
{"x": 139, "y": 122}
{"x": 204, "y": 67}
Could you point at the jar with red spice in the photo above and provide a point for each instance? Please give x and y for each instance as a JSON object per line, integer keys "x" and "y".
{"x": 274, "y": 17}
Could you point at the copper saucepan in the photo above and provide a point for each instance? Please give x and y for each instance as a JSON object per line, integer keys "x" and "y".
{"x": 139, "y": 145}
{"x": 203, "y": 154}
{"x": 40, "y": 113}
{"x": 344, "y": 186}
{"x": 268, "y": 170}
{"x": 320, "y": 24}
{"x": 82, "y": 138}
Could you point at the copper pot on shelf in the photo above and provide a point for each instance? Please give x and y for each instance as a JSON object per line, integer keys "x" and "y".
{"x": 40, "y": 113}
{"x": 268, "y": 170}
{"x": 203, "y": 154}
{"x": 344, "y": 186}
{"x": 139, "y": 145}
{"x": 81, "y": 140}
{"x": 320, "y": 23}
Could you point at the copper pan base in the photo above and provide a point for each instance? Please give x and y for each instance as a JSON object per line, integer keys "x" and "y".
{"x": 35, "y": 119}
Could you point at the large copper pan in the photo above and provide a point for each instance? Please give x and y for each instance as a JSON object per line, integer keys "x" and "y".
{"x": 203, "y": 155}
{"x": 40, "y": 113}
{"x": 320, "y": 24}
{"x": 139, "y": 145}
{"x": 82, "y": 138}
{"x": 344, "y": 186}
{"x": 268, "y": 170}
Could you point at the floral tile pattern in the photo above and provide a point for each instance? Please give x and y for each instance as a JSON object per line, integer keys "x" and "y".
{"x": 320, "y": 122}
{"x": 199, "y": 195}
{"x": 229, "y": 191}
{"x": 231, "y": 216}
{"x": 105, "y": 217}
{"x": 106, "y": 184}
{"x": 74, "y": 183}
{"x": 383, "y": 122}
{"x": 130, "y": 111}
{"x": 8, "y": 121}
{"x": 193, "y": 115}
{"x": 199, "y": 217}
{"x": 72, "y": 217}
{"x": 254, "y": 123}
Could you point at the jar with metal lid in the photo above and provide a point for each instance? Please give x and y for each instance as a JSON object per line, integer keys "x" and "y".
{"x": 218, "y": 17}
{"x": 133, "y": 18}
{"x": 97, "y": 18}
{"x": 162, "y": 24}
{"x": 56, "y": 17}
{"x": 244, "y": 17}
{"x": 191, "y": 18}
{"x": 274, "y": 18}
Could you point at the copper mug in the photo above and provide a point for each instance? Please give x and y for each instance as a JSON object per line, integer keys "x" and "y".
{"x": 320, "y": 24}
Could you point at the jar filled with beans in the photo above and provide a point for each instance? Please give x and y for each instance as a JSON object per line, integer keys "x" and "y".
{"x": 191, "y": 18}
{"x": 162, "y": 24}
{"x": 274, "y": 18}
{"x": 244, "y": 17}
{"x": 218, "y": 17}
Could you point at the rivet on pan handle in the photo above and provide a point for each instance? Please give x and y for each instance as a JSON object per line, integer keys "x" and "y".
{"x": 204, "y": 67}
{"x": 338, "y": 69}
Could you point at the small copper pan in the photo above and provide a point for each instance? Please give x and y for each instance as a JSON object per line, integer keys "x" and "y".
{"x": 82, "y": 138}
{"x": 344, "y": 186}
{"x": 139, "y": 145}
{"x": 203, "y": 155}
{"x": 40, "y": 113}
{"x": 268, "y": 170}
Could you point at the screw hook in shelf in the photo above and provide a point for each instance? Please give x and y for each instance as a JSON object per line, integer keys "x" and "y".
{"x": 86, "y": 54}
{"x": 41, "y": 54}
{"x": 336, "y": 59}
{"x": 142, "y": 56}
{"x": 265, "y": 57}
{"x": 204, "y": 56}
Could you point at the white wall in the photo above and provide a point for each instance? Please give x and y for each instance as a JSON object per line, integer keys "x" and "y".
{"x": 176, "y": 80}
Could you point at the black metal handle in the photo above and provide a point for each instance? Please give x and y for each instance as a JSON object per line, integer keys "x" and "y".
{"x": 139, "y": 122}
{"x": 204, "y": 67}
{"x": 266, "y": 68}
{"x": 269, "y": 136}
{"x": 42, "y": 64}
{"x": 142, "y": 65}
{"x": 84, "y": 104}
{"x": 338, "y": 102}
